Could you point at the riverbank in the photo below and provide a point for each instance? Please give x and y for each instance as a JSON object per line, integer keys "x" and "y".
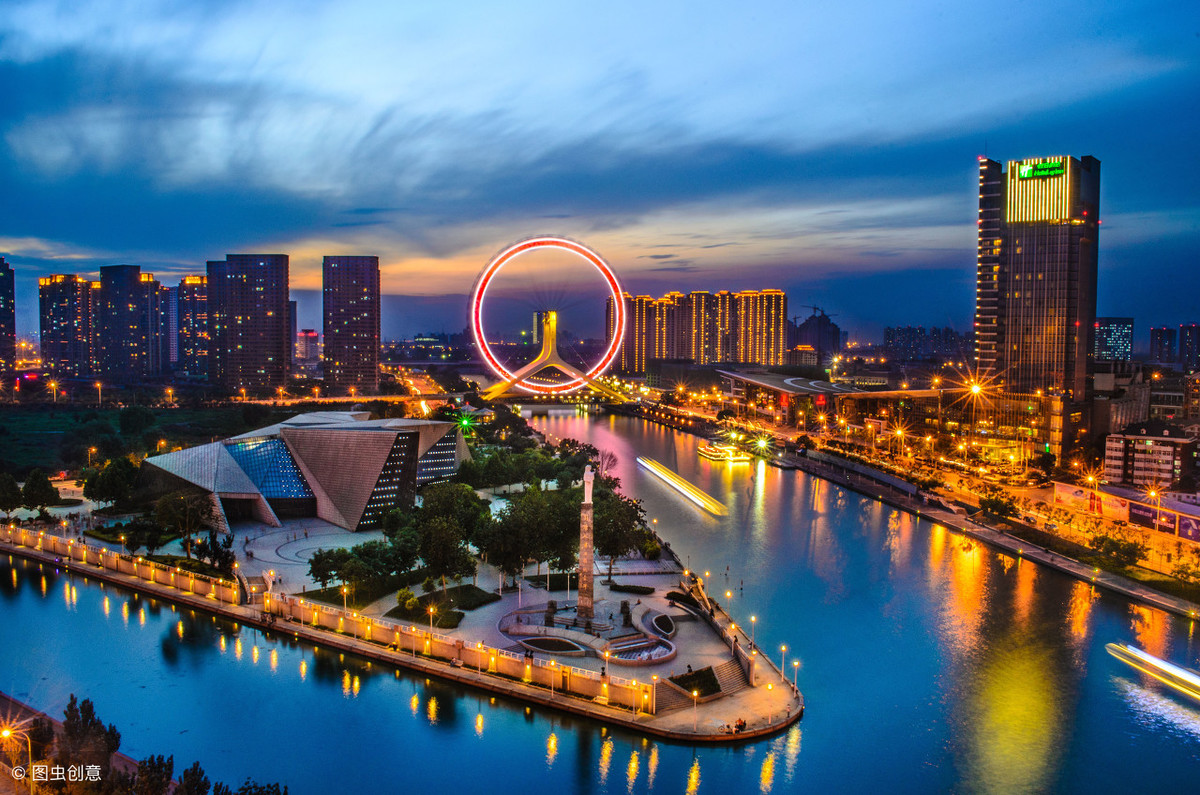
{"x": 768, "y": 708}
{"x": 1019, "y": 548}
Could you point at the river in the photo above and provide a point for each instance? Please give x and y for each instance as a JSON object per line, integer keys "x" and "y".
{"x": 928, "y": 662}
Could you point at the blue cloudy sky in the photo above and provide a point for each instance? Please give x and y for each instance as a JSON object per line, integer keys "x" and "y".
{"x": 826, "y": 148}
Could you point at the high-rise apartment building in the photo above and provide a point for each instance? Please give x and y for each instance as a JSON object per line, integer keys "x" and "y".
{"x": 248, "y": 322}
{"x": 192, "y": 324}
{"x": 351, "y": 313}
{"x": 761, "y": 323}
{"x": 1114, "y": 339}
{"x": 1035, "y": 305}
{"x": 8, "y": 318}
{"x": 725, "y": 326}
{"x": 308, "y": 348}
{"x": 702, "y": 330}
{"x": 1162, "y": 345}
{"x": 1189, "y": 347}
{"x": 128, "y": 325}
{"x": 65, "y": 319}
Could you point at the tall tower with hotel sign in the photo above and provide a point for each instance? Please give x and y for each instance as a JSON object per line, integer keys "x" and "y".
{"x": 1035, "y": 291}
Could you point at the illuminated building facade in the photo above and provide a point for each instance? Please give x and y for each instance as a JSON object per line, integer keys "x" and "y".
{"x": 192, "y": 322}
{"x": 128, "y": 323}
{"x": 8, "y": 318}
{"x": 1152, "y": 453}
{"x": 65, "y": 319}
{"x": 748, "y": 327}
{"x": 248, "y": 322}
{"x": 761, "y": 323}
{"x": 1036, "y": 272}
{"x": 1114, "y": 339}
{"x": 351, "y": 323}
{"x": 701, "y": 331}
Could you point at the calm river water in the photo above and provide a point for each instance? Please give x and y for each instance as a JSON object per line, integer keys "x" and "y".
{"x": 929, "y": 663}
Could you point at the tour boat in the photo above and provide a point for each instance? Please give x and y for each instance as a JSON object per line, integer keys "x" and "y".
{"x": 1185, "y": 680}
{"x": 723, "y": 452}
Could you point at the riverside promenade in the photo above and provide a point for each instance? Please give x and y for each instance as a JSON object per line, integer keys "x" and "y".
{"x": 1016, "y": 547}
{"x": 649, "y": 705}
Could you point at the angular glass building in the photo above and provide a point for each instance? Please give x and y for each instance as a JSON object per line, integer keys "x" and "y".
{"x": 342, "y": 467}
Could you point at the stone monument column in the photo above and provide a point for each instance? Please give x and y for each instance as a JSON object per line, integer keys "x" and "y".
{"x": 585, "y": 607}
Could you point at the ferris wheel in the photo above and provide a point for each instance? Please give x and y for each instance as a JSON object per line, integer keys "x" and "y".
{"x": 527, "y": 378}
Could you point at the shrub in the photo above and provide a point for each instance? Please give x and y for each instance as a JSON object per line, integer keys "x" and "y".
{"x": 641, "y": 590}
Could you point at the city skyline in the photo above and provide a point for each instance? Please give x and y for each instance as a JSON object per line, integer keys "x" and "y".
{"x": 855, "y": 159}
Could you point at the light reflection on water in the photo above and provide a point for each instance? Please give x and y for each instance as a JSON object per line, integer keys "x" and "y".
{"x": 931, "y": 663}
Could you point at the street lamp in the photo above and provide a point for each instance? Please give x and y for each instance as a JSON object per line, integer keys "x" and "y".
{"x": 753, "y": 623}
{"x": 242, "y": 390}
{"x": 54, "y": 390}
{"x": 99, "y": 393}
{"x": 8, "y": 732}
{"x": 170, "y": 395}
{"x": 344, "y": 608}
{"x": 91, "y": 452}
{"x": 432, "y": 610}
{"x": 796, "y": 674}
{"x": 695, "y": 709}
{"x": 782, "y": 658}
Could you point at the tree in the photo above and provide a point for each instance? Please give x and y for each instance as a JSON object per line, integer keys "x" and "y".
{"x": 1125, "y": 553}
{"x": 38, "y": 491}
{"x": 10, "y": 494}
{"x": 217, "y": 550}
{"x": 503, "y": 542}
{"x": 193, "y": 781}
{"x": 325, "y": 564}
{"x": 113, "y": 484}
{"x": 457, "y": 502}
{"x": 186, "y": 514}
{"x": 154, "y": 775}
{"x": 618, "y": 523}
{"x": 444, "y": 549}
{"x": 85, "y": 740}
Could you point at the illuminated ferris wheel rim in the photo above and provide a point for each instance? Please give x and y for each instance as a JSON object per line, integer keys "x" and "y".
{"x": 512, "y": 252}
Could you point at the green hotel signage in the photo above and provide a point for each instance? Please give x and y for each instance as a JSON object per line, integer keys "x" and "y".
{"x": 1038, "y": 170}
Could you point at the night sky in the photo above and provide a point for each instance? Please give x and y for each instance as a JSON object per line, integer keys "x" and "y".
{"x": 830, "y": 151}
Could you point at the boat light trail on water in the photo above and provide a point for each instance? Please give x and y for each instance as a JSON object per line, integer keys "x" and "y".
{"x": 683, "y": 487}
{"x": 1184, "y": 680}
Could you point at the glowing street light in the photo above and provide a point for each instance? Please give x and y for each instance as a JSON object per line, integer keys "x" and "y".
{"x": 170, "y": 394}
{"x": 695, "y": 709}
{"x": 783, "y": 658}
{"x": 796, "y": 674}
{"x": 99, "y": 393}
{"x": 432, "y": 610}
{"x": 8, "y": 732}
{"x": 91, "y": 452}
{"x": 753, "y": 624}
{"x": 54, "y": 390}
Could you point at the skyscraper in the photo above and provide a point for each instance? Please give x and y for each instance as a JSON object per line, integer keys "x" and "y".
{"x": 761, "y": 326}
{"x": 192, "y": 321}
{"x": 701, "y": 311}
{"x": 1035, "y": 305}
{"x": 248, "y": 322}
{"x": 1162, "y": 345}
{"x": 1189, "y": 347}
{"x": 65, "y": 318}
{"x": 8, "y": 318}
{"x": 128, "y": 324}
{"x": 1114, "y": 339}
{"x": 351, "y": 316}
{"x": 638, "y": 344}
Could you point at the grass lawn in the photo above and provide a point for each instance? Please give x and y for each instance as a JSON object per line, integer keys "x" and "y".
{"x": 193, "y": 565}
{"x": 113, "y": 535}
{"x": 449, "y": 606}
{"x": 365, "y": 594}
{"x": 704, "y": 681}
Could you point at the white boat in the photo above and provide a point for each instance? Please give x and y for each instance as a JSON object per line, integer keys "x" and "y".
{"x": 1185, "y": 680}
{"x": 723, "y": 452}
